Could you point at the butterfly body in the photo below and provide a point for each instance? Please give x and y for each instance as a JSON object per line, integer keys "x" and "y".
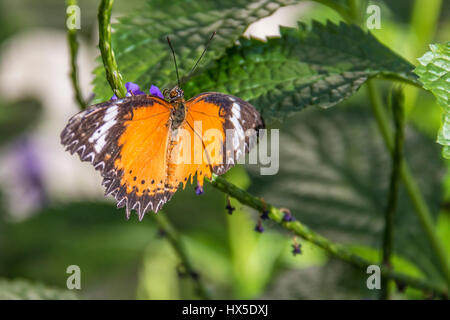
{"x": 146, "y": 147}
{"x": 176, "y": 99}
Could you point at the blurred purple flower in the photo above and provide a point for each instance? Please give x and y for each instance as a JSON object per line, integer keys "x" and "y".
{"x": 30, "y": 172}
{"x": 154, "y": 91}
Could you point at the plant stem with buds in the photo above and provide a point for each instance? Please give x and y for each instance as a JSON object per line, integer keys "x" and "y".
{"x": 109, "y": 61}
{"x": 338, "y": 251}
{"x": 73, "y": 47}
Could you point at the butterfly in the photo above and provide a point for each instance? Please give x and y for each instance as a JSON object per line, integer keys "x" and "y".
{"x": 146, "y": 146}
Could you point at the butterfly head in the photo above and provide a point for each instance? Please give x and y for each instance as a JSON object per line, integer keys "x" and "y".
{"x": 175, "y": 95}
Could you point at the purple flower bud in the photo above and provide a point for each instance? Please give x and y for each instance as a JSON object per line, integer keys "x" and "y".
{"x": 265, "y": 212}
{"x": 296, "y": 249}
{"x": 199, "y": 190}
{"x": 154, "y": 91}
{"x": 265, "y": 215}
{"x": 132, "y": 90}
{"x": 230, "y": 209}
{"x": 288, "y": 216}
{"x": 259, "y": 228}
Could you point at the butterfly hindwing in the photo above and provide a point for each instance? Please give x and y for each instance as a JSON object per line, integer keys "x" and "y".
{"x": 212, "y": 149}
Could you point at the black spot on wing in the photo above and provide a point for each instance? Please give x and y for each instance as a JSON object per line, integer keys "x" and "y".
{"x": 141, "y": 203}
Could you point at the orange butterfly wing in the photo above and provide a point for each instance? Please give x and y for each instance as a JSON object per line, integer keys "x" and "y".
{"x": 213, "y": 150}
{"x": 126, "y": 140}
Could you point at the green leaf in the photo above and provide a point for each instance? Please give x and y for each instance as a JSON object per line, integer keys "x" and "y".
{"x": 140, "y": 44}
{"x": 338, "y": 280}
{"x": 334, "y": 280}
{"x": 318, "y": 65}
{"x": 339, "y": 6}
{"x": 398, "y": 263}
{"x": 158, "y": 278}
{"x": 20, "y": 289}
{"x": 434, "y": 73}
{"x": 334, "y": 176}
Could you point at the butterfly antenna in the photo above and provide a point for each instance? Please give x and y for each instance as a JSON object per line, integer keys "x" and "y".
{"x": 174, "y": 60}
{"x": 203, "y": 53}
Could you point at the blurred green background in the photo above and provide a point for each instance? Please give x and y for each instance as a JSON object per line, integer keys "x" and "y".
{"x": 53, "y": 214}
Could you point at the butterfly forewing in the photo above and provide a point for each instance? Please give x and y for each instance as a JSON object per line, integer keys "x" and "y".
{"x": 125, "y": 140}
{"x": 237, "y": 119}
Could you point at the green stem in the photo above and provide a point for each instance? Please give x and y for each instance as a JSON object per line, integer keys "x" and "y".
{"x": 116, "y": 83}
{"x": 388, "y": 237}
{"x": 422, "y": 211}
{"x": 177, "y": 245}
{"x": 73, "y": 47}
{"x": 424, "y": 21}
{"x": 109, "y": 61}
{"x": 335, "y": 250}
